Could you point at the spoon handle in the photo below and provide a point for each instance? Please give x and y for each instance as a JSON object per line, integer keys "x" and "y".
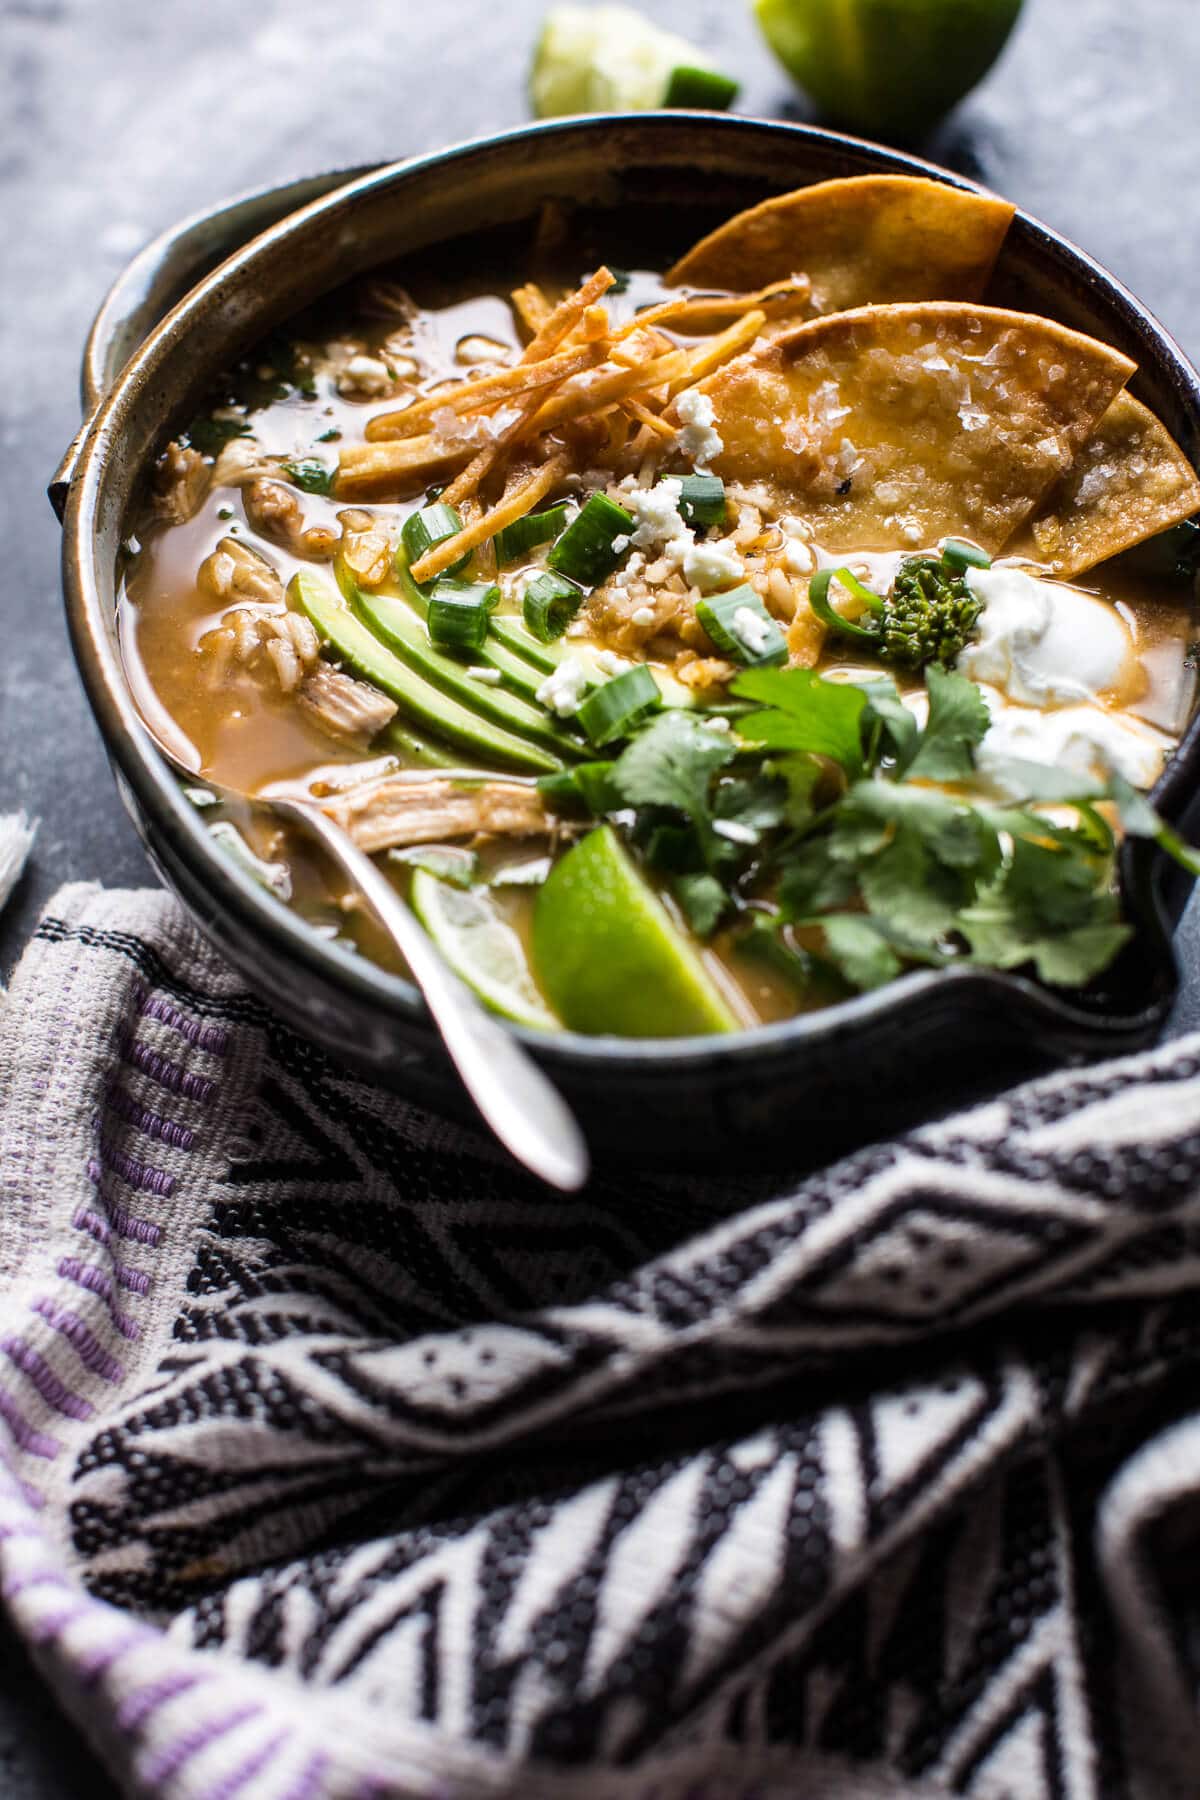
{"x": 519, "y": 1103}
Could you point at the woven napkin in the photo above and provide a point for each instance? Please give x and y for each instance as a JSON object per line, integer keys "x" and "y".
{"x": 338, "y": 1459}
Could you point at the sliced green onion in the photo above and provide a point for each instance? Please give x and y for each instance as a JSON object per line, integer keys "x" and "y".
{"x": 958, "y": 554}
{"x": 310, "y": 475}
{"x": 423, "y": 530}
{"x": 703, "y": 89}
{"x": 585, "y": 552}
{"x": 755, "y": 639}
{"x": 527, "y": 533}
{"x": 610, "y": 712}
{"x": 459, "y": 614}
{"x": 818, "y": 599}
{"x": 701, "y": 499}
{"x": 549, "y": 605}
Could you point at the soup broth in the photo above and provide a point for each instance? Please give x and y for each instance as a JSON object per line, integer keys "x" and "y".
{"x": 264, "y": 489}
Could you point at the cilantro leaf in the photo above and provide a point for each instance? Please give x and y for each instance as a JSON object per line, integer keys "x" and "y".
{"x": 756, "y": 802}
{"x": 1139, "y": 819}
{"x": 310, "y": 474}
{"x": 209, "y": 435}
{"x": 672, "y": 763}
{"x": 957, "y": 724}
{"x": 703, "y": 901}
{"x": 1002, "y": 939}
{"x": 1043, "y": 783}
{"x": 803, "y": 712}
{"x": 813, "y": 881}
{"x": 859, "y": 951}
{"x": 917, "y": 853}
{"x": 888, "y": 726}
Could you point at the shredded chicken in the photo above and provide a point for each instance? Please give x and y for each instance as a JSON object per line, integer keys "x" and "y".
{"x": 242, "y": 459}
{"x": 380, "y": 815}
{"x": 234, "y": 572}
{"x": 256, "y": 632}
{"x": 274, "y": 509}
{"x": 181, "y": 479}
{"x": 343, "y": 707}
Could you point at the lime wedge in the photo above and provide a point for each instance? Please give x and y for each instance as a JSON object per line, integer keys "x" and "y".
{"x": 481, "y": 949}
{"x": 887, "y": 68}
{"x": 610, "y": 59}
{"x": 608, "y": 957}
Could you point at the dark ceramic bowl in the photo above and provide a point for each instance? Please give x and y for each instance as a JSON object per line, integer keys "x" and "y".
{"x": 799, "y": 1089}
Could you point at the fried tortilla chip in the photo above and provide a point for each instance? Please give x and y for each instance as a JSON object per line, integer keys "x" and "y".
{"x": 1129, "y": 482}
{"x": 894, "y": 426}
{"x": 866, "y": 240}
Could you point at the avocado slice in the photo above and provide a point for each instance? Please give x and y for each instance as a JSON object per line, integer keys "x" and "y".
{"x": 425, "y": 704}
{"x": 397, "y": 623}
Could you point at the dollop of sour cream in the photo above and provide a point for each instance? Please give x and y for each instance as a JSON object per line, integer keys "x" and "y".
{"x": 1083, "y": 738}
{"x": 1048, "y": 645}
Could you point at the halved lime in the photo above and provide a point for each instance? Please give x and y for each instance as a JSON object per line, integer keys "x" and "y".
{"x": 609, "y": 958}
{"x": 611, "y": 59}
{"x": 481, "y": 949}
{"x": 887, "y": 68}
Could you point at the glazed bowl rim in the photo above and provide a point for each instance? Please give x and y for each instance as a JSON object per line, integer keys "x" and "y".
{"x": 156, "y": 790}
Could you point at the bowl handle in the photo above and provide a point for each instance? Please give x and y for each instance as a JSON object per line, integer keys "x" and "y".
{"x": 158, "y": 278}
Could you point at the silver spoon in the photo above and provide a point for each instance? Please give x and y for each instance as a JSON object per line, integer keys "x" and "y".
{"x": 520, "y": 1104}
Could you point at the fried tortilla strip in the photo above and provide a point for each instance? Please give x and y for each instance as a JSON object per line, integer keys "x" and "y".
{"x": 483, "y": 393}
{"x": 892, "y": 426}
{"x": 1129, "y": 482}
{"x": 382, "y": 471}
{"x": 386, "y": 813}
{"x": 707, "y": 310}
{"x": 531, "y": 307}
{"x": 567, "y": 315}
{"x": 522, "y": 496}
{"x": 866, "y": 240}
{"x": 608, "y": 385}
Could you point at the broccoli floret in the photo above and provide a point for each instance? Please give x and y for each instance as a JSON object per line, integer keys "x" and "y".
{"x": 928, "y": 616}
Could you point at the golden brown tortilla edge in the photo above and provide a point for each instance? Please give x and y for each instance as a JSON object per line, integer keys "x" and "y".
{"x": 1066, "y": 568}
{"x": 682, "y": 270}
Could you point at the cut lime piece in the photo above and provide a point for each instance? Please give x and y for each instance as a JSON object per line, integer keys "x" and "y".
{"x": 611, "y": 59}
{"x": 481, "y": 949}
{"x": 608, "y": 957}
{"x": 887, "y": 68}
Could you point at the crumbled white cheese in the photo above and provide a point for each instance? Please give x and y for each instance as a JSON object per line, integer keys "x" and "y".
{"x": 698, "y": 441}
{"x": 366, "y": 376}
{"x": 711, "y": 566}
{"x": 490, "y": 677}
{"x": 609, "y": 663}
{"x": 751, "y": 630}
{"x": 631, "y": 571}
{"x": 798, "y": 558}
{"x": 621, "y": 543}
{"x": 642, "y": 616}
{"x": 564, "y": 687}
{"x": 735, "y": 832}
{"x": 656, "y": 509}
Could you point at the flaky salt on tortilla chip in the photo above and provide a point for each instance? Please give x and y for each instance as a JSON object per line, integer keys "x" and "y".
{"x": 867, "y": 239}
{"x": 1129, "y": 482}
{"x": 894, "y": 426}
